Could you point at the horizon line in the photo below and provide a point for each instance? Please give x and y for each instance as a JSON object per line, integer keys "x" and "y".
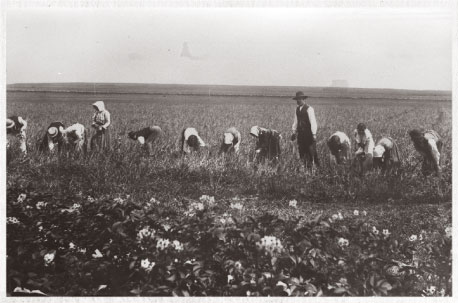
{"x": 240, "y": 85}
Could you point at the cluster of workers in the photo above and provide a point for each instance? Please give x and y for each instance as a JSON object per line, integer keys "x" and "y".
{"x": 365, "y": 153}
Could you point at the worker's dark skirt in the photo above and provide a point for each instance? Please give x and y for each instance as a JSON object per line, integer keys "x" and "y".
{"x": 101, "y": 140}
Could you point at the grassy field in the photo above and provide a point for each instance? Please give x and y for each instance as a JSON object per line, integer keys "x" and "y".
{"x": 125, "y": 179}
{"x": 127, "y": 171}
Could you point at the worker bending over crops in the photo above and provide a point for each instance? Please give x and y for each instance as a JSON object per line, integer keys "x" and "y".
{"x": 305, "y": 129}
{"x": 386, "y": 154}
{"x": 75, "y": 137}
{"x": 146, "y": 136}
{"x": 340, "y": 147}
{"x": 191, "y": 141}
{"x": 16, "y": 126}
{"x": 101, "y": 121}
{"x": 53, "y": 137}
{"x": 429, "y": 145}
{"x": 231, "y": 141}
{"x": 364, "y": 148}
{"x": 268, "y": 144}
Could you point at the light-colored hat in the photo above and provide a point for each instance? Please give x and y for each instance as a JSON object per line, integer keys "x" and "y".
{"x": 52, "y": 131}
{"x": 228, "y": 138}
{"x": 378, "y": 151}
{"x": 255, "y": 131}
{"x": 9, "y": 123}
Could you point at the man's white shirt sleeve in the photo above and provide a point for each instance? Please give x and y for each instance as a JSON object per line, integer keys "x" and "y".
{"x": 313, "y": 125}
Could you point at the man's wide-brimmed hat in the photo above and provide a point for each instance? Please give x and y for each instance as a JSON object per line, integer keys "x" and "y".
{"x": 300, "y": 95}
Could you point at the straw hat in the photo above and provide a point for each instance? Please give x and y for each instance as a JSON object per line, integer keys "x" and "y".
{"x": 52, "y": 131}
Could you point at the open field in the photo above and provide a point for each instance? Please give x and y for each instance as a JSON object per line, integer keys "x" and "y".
{"x": 406, "y": 203}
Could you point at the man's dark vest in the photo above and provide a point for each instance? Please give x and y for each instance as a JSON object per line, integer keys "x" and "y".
{"x": 17, "y": 126}
{"x": 303, "y": 121}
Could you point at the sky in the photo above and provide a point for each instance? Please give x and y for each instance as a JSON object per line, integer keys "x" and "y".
{"x": 369, "y": 48}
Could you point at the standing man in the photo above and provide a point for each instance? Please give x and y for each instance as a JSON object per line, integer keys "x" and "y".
{"x": 304, "y": 129}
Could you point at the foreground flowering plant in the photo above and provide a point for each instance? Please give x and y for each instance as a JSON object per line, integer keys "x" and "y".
{"x": 122, "y": 248}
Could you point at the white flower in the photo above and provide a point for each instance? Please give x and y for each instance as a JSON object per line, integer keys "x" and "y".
{"x": 375, "y": 230}
{"x": 230, "y": 278}
{"x": 430, "y": 290}
{"x": 90, "y": 199}
{"x": 41, "y": 205}
{"x": 237, "y": 205}
{"x": 118, "y": 200}
{"x": 76, "y": 206}
{"x": 145, "y": 233}
{"x": 154, "y": 201}
{"x": 356, "y": 212}
{"x": 49, "y": 258}
{"x": 413, "y": 238}
{"x": 386, "y": 233}
{"x": 178, "y": 246}
{"x": 225, "y": 215}
{"x": 271, "y": 244}
{"x": 196, "y": 206}
{"x": 420, "y": 237}
{"x": 335, "y": 217}
{"x": 448, "y": 232}
{"x": 162, "y": 244}
{"x": 207, "y": 199}
{"x": 166, "y": 227}
{"x": 82, "y": 250}
{"x": 238, "y": 265}
{"x": 21, "y": 198}
{"x": 97, "y": 254}
{"x": 342, "y": 242}
{"x": 364, "y": 213}
{"x": 222, "y": 220}
{"x": 293, "y": 203}
{"x": 71, "y": 245}
{"x": 340, "y": 216}
{"x": 147, "y": 265}
{"x": 12, "y": 220}
{"x": 40, "y": 228}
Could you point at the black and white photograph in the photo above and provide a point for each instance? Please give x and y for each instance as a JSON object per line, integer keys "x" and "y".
{"x": 228, "y": 150}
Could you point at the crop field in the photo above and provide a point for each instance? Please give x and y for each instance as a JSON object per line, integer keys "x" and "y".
{"x": 405, "y": 203}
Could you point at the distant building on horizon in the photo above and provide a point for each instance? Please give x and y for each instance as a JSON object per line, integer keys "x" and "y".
{"x": 339, "y": 83}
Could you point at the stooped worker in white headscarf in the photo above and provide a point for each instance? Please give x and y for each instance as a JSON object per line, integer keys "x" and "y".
{"x": 75, "y": 137}
{"x": 231, "y": 141}
{"x": 16, "y": 126}
{"x": 101, "y": 121}
{"x": 429, "y": 145}
{"x": 146, "y": 137}
{"x": 386, "y": 154}
{"x": 364, "y": 148}
{"x": 190, "y": 140}
{"x": 339, "y": 147}
{"x": 268, "y": 144}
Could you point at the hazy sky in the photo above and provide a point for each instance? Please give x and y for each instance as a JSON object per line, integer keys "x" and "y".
{"x": 380, "y": 48}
